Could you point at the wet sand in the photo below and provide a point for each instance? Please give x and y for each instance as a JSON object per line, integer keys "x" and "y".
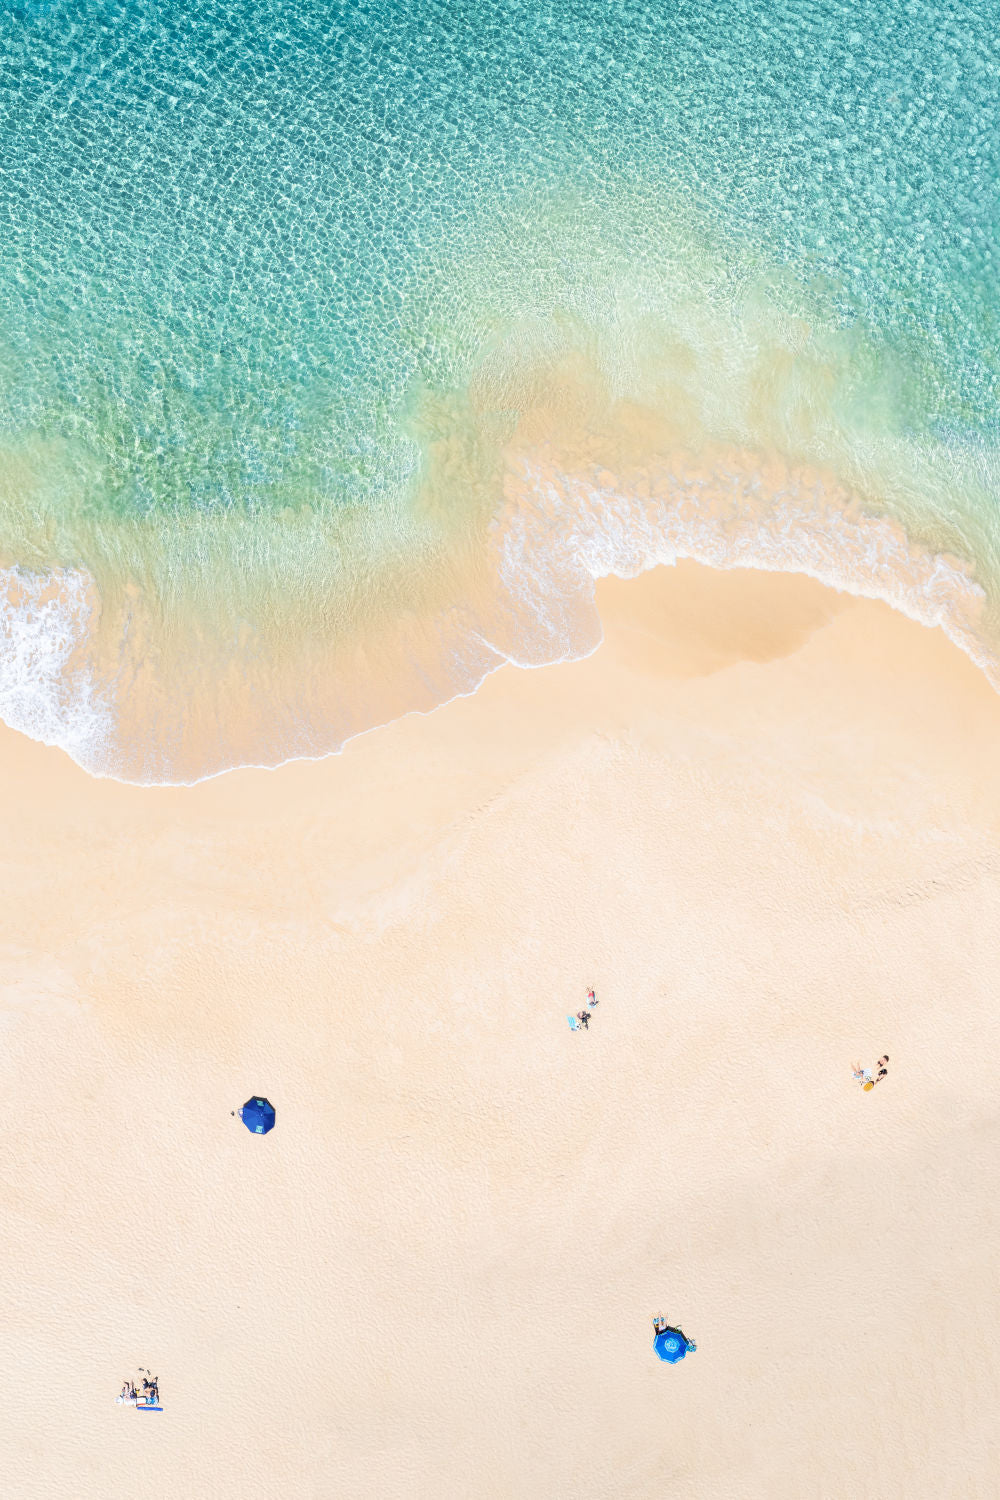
{"x": 763, "y": 819}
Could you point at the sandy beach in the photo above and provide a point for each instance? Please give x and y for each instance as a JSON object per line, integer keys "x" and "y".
{"x": 763, "y": 820}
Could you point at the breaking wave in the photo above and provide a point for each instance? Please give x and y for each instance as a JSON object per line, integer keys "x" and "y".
{"x": 561, "y": 533}
{"x": 47, "y": 687}
{"x": 532, "y": 604}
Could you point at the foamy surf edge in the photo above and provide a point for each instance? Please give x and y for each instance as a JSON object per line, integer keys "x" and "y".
{"x": 561, "y": 533}
{"x": 48, "y": 689}
{"x": 554, "y": 538}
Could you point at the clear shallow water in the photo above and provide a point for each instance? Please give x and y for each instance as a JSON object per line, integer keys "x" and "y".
{"x": 342, "y": 346}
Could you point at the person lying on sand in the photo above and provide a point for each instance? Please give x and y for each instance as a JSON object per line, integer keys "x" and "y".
{"x": 864, "y": 1075}
{"x": 583, "y": 1016}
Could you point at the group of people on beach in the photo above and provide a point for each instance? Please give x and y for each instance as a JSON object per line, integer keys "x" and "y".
{"x": 150, "y": 1395}
{"x": 867, "y": 1078}
{"x": 582, "y": 1017}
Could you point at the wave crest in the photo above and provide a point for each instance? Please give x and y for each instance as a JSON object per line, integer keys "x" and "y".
{"x": 47, "y": 685}
{"x": 560, "y": 532}
{"x": 528, "y": 598}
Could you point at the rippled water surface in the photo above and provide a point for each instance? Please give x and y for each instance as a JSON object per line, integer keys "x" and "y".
{"x": 342, "y": 346}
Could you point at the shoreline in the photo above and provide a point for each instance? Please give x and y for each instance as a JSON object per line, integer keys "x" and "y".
{"x": 763, "y": 821}
{"x": 925, "y": 601}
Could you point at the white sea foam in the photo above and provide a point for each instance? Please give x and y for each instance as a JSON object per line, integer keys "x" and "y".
{"x": 47, "y": 688}
{"x": 556, "y": 536}
{"x": 560, "y": 533}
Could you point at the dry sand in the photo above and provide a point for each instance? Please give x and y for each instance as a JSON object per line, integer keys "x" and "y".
{"x": 764, "y": 820}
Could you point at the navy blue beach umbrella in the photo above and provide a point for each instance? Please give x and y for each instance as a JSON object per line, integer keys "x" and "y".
{"x": 671, "y": 1345}
{"x": 258, "y": 1115}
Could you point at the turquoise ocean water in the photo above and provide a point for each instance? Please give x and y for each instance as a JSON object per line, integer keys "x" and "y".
{"x": 343, "y": 346}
